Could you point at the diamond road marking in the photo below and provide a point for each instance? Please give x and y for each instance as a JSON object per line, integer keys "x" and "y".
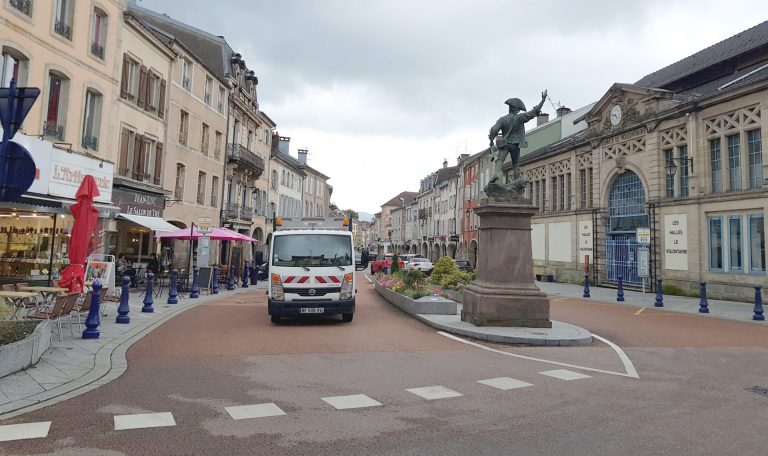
{"x": 351, "y": 402}
{"x": 11, "y": 432}
{"x": 564, "y": 374}
{"x": 144, "y": 420}
{"x": 242, "y": 412}
{"x": 504, "y": 383}
{"x": 434, "y": 392}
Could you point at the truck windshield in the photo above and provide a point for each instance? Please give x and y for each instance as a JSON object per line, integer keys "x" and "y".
{"x": 312, "y": 250}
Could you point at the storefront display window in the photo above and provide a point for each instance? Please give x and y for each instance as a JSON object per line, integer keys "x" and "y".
{"x": 33, "y": 246}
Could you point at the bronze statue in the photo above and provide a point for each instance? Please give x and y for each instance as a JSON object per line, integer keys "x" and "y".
{"x": 512, "y": 128}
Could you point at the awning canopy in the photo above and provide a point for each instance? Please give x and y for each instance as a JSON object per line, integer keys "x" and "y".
{"x": 153, "y": 223}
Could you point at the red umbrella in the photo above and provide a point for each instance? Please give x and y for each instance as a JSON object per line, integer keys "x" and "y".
{"x": 85, "y": 216}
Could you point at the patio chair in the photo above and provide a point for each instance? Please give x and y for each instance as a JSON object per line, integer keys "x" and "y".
{"x": 69, "y": 306}
{"x": 27, "y": 303}
{"x": 82, "y": 307}
{"x": 54, "y": 314}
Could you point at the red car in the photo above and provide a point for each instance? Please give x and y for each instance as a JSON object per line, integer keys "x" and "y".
{"x": 382, "y": 262}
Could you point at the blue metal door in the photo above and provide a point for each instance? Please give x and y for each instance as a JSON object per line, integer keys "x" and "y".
{"x": 626, "y": 207}
{"x": 621, "y": 259}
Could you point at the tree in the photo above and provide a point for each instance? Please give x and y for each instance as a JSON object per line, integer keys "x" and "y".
{"x": 351, "y": 213}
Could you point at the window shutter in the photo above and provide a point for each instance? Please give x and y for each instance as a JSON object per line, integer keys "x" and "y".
{"x": 158, "y": 162}
{"x": 142, "y": 87}
{"x": 124, "y": 82}
{"x": 161, "y": 100}
{"x": 123, "y": 166}
{"x": 138, "y": 159}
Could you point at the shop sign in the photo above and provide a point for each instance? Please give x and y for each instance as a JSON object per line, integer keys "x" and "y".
{"x": 676, "y": 242}
{"x": 643, "y": 235}
{"x": 204, "y": 225}
{"x": 138, "y": 203}
{"x": 68, "y": 171}
{"x": 586, "y": 247}
{"x": 454, "y": 238}
{"x": 41, "y": 154}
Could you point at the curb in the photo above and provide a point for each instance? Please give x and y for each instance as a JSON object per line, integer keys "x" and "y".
{"x": 109, "y": 364}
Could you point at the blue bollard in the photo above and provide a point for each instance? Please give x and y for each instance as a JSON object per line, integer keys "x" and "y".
{"x": 93, "y": 320}
{"x": 620, "y": 291}
{"x": 586, "y": 286}
{"x": 215, "y": 286}
{"x": 758, "y": 316}
{"x": 123, "y": 308}
{"x": 173, "y": 287}
{"x": 703, "y": 303}
{"x": 231, "y": 280}
{"x": 195, "y": 291}
{"x": 254, "y": 275}
{"x": 659, "y": 298}
{"x": 245, "y": 275}
{"x": 148, "y": 299}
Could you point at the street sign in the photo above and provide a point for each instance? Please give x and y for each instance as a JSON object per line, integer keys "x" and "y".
{"x": 643, "y": 256}
{"x": 204, "y": 225}
{"x": 17, "y": 171}
{"x": 643, "y": 235}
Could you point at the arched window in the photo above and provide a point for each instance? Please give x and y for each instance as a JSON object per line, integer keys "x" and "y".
{"x": 92, "y": 120}
{"x": 56, "y": 107}
{"x": 15, "y": 65}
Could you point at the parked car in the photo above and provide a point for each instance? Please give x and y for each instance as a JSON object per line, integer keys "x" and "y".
{"x": 422, "y": 264}
{"x": 359, "y": 260}
{"x": 382, "y": 262}
{"x": 463, "y": 265}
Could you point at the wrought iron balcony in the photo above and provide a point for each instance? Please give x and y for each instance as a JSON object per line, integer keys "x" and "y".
{"x": 231, "y": 211}
{"x": 183, "y": 137}
{"x": 22, "y": 5}
{"x": 53, "y": 131}
{"x": 246, "y": 213}
{"x": 242, "y": 156}
{"x": 97, "y": 50}
{"x": 63, "y": 29}
{"x": 90, "y": 142}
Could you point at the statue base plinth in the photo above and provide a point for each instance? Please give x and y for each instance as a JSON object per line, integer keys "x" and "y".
{"x": 504, "y": 293}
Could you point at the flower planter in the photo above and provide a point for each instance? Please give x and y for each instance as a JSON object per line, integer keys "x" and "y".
{"x": 426, "y": 305}
{"x": 26, "y": 352}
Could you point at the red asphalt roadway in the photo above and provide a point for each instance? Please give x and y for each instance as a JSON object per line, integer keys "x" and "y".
{"x": 692, "y": 396}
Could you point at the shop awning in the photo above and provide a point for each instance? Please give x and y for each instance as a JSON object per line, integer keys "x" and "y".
{"x": 153, "y": 223}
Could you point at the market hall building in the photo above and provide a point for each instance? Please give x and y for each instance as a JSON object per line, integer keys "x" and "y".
{"x": 676, "y": 157}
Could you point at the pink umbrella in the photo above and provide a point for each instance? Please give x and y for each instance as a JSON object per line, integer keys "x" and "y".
{"x": 85, "y": 216}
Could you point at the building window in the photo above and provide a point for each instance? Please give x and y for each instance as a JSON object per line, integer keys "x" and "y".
{"x": 22, "y": 6}
{"x": 129, "y": 87}
{"x": 715, "y": 244}
{"x": 201, "y": 187}
{"x": 205, "y": 139}
{"x": 755, "y": 153}
{"x": 682, "y": 152}
{"x": 217, "y": 146}
{"x": 208, "y": 91}
{"x": 178, "y": 191}
{"x": 98, "y": 33}
{"x": 149, "y": 159}
{"x": 222, "y": 98}
{"x": 554, "y": 193}
{"x": 562, "y": 192}
{"x": 274, "y": 179}
{"x": 153, "y": 91}
{"x": 543, "y": 201}
{"x": 55, "y": 120}
{"x": 756, "y": 243}
{"x": 669, "y": 181}
{"x": 183, "y": 127}
{"x": 64, "y": 12}
{"x": 734, "y": 162}
{"x": 735, "y": 244}
{"x": 14, "y": 66}
{"x": 716, "y": 164}
{"x": 214, "y": 191}
{"x": 92, "y": 120}
{"x": 186, "y": 75}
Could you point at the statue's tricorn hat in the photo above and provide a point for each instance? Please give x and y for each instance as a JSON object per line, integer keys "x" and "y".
{"x": 516, "y": 103}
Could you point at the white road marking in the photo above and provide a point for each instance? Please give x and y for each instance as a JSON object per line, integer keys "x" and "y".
{"x": 242, "y": 412}
{"x": 630, "y": 368}
{"x": 351, "y": 402}
{"x": 434, "y": 392}
{"x": 505, "y": 383}
{"x": 564, "y": 374}
{"x": 143, "y": 420}
{"x": 11, "y": 432}
{"x": 631, "y": 372}
{"x": 367, "y": 278}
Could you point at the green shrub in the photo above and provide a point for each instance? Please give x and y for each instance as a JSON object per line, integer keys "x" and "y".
{"x": 443, "y": 267}
{"x": 395, "y": 263}
{"x": 414, "y": 278}
{"x": 6, "y": 312}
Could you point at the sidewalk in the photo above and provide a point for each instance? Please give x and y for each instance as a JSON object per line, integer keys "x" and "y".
{"x": 76, "y": 365}
{"x": 730, "y": 310}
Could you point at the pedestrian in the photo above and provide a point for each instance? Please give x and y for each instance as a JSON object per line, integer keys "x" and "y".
{"x": 122, "y": 264}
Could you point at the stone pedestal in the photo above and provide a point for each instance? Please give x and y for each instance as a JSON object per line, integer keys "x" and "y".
{"x": 504, "y": 293}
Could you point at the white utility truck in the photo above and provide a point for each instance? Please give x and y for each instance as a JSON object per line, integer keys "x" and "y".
{"x": 312, "y": 268}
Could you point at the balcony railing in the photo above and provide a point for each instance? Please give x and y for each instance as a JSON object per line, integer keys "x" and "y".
{"x": 240, "y": 155}
{"x": 53, "y": 131}
{"x": 183, "y": 137}
{"x": 246, "y": 213}
{"x": 63, "y": 29}
{"x": 90, "y": 142}
{"x": 97, "y": 50}
{"x": 21, "y": 5}
{"x": 231, "y": 211}
{"x": 186, "y": 83}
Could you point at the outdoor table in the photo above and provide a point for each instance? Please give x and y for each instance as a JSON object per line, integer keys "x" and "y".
{"x": 14, "y": 298}
{"x": 47, "y": 292}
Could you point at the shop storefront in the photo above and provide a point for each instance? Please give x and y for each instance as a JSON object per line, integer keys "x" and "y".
{"x": 139, "y": 217}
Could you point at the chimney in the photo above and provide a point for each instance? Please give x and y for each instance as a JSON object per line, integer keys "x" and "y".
{"x": 445, "y": 163}
{"x": 284, "y": 145}
{"x": 303, "y": 156}
{"x": 562, "y": 110}
{"x": 542, "y": 118}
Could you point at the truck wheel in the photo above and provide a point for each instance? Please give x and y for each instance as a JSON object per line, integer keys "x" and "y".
{"x": 275, "y": 319}
{"x": 346, "y": 318}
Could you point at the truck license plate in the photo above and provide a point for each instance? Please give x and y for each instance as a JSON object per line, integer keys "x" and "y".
{"x": 312, "y": 310}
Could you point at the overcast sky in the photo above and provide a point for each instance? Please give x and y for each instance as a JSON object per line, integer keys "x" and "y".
{"x": 381, "y": 91}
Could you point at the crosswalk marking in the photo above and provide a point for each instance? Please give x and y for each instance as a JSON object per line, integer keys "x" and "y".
{"x": 242, "y": 412}
{"x": 10, "y": 432}
{"x": 564, "y": 374}
{"x": 144, "y": 420}
{"x": 505, "y": 383}
{"x": 434, "y": 392}
{"x": 351, "y": 402}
